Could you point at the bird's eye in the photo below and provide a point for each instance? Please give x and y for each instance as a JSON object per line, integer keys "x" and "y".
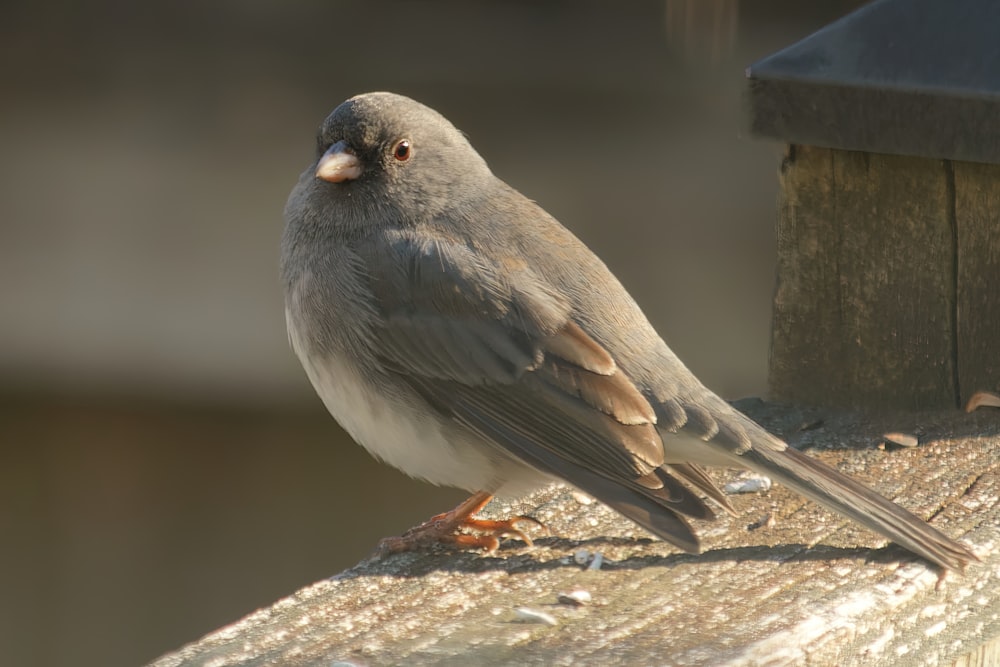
{"x": 402, "y": 150}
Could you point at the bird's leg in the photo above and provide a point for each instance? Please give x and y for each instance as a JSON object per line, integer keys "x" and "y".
{"x": 446, "y": 529}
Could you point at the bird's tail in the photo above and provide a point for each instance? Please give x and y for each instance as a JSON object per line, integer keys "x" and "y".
{"x": 843, "y": 495}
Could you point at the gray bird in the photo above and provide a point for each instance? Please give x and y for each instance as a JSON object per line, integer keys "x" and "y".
{"x": 460, "y": 333}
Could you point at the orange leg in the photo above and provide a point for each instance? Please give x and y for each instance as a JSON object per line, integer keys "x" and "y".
{"x": 446, "y": 529}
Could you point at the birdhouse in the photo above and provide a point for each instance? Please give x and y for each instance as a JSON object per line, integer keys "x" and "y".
{"x": 888, "y": 231}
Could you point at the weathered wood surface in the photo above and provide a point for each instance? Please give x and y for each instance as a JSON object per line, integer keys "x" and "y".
{"x": 805, "y": 588}
{"x": 977, "y": 215}
{"x": 888, "y": 280}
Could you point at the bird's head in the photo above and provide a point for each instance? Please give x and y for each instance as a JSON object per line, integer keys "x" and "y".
{"x": 386, "y": 156}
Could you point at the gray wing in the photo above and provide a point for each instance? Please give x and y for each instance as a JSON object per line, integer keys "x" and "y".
{"x": 492, "y": 346}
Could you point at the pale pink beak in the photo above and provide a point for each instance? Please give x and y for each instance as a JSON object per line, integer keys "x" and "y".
{"x": 339, "y": 163}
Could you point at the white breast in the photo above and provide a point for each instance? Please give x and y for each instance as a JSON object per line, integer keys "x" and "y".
{"x": 386, "y": 423}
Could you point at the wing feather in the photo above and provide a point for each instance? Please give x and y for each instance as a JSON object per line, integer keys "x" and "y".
{"x": 502, "y": 353}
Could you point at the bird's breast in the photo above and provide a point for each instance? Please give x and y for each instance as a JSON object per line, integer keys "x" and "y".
{"x": 394, "y": 424}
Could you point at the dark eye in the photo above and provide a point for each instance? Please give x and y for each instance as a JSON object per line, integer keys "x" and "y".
{"x": 402, "y": 151}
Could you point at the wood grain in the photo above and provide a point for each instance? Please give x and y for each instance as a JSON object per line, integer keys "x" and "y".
{"x": 865, "y": 296}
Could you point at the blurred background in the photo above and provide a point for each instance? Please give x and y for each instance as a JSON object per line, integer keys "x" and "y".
{"x": 165, "y": 467}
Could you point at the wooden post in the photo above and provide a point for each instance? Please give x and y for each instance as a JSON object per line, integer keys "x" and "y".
{"x": 888, "y": 285}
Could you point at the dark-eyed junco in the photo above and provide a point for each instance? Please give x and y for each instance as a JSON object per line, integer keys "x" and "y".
{"x": 460, "y": 333}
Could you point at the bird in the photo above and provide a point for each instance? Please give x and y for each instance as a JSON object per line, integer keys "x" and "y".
{"x": 460, "y": 333}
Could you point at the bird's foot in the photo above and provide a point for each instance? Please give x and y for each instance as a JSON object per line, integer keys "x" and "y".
{"x": 449, "y": 528}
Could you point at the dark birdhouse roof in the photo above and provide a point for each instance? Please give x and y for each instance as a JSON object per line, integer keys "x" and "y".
{"x": 909, "y": 77}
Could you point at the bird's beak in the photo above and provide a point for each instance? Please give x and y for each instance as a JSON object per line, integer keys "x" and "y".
{"x": 339, "y": 163}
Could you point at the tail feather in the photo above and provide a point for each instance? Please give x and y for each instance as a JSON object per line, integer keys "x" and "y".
{"x": 698, "y": 478}
{"x": 843, "y": 495}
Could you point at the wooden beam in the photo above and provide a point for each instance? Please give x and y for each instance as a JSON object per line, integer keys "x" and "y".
{"x": 784, "y": 583}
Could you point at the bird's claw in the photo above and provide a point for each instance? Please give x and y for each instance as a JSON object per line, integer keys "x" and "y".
{"x": 460, "y": 529}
